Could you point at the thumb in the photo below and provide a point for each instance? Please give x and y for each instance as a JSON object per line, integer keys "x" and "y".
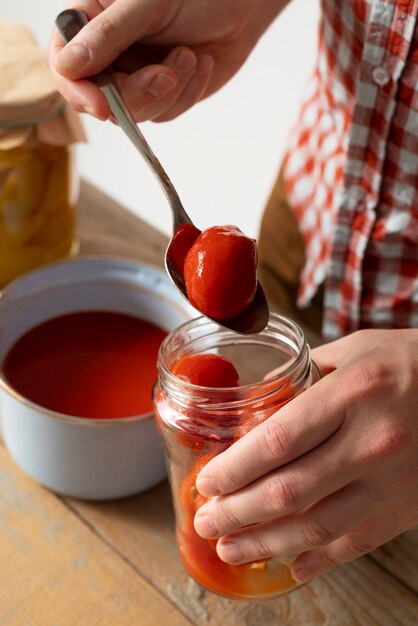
{"x": 329, "y": 356}
{"x": 323, "y": 358}
{"x": 326, "y": 357}
{"x": 107, "y": 35}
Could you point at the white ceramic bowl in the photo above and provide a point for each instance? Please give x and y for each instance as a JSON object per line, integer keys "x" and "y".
{"x": 85, "y": 458}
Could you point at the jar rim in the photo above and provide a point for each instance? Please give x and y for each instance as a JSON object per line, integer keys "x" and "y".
{"x": 34, "y": 121}
{"x": 303, "y": 355}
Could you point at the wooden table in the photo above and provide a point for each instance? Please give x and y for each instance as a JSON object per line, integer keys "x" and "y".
{"x": 65, "y": 562}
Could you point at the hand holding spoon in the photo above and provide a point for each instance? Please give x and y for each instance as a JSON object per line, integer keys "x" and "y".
{"x": 255, "y": 317}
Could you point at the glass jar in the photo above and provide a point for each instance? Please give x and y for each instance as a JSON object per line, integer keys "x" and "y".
{"x": 197, "y": 423}
{"x": 38, "y": 193}
{"x": 38, "y": 133}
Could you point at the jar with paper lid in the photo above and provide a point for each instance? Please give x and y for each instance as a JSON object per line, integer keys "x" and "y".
{"x": 38, "y": 184}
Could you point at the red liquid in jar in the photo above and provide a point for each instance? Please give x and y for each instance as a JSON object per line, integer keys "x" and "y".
{"x": 94, "y": 364}
{"x": 201, "y": 561}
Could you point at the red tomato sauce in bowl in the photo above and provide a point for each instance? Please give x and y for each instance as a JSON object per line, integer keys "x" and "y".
{"x": 94, "y": 364}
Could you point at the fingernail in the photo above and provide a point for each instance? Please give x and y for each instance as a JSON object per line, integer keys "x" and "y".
{"x": 230, "y": 552}
{"x": 74, "y": 57}
{"x": 302, "y": 574}
{"x": 205, "y": 527}
{"x": 91, "y": 112}
{"x": 161, "y": 85}
{"x": 205, "y": 64}
{"x": 206, "y": 486}
{"x": 186, "y": 61}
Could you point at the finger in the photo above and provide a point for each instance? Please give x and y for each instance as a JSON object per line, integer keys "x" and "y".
{"x": 298, "y": 427}
{"x": 324, "y": 471}
{"x": 151, "y": 84}
{"x": 92, "y": 8}
{"x": 337, "y": 353}
{"x": 106, "y": 35}
{"x": 368, "y": 536}
{"x": 82, "y": 95}
{"x": 193, "y": 92}
{"x": 315, "y": 527}
{"x": 140, "y": 97}
{"x": 328, "y": 356}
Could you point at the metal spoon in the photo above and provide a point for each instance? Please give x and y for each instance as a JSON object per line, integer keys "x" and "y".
{"x": 255, "y": 317}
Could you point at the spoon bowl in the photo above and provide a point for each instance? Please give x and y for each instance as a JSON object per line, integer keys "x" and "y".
{"x": 255, "y": 317}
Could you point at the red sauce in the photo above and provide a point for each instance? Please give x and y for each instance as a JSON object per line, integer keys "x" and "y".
{"x": 93, "y": 364}
{"x": 201, "y": 560}
{"x": 220, "y": 272}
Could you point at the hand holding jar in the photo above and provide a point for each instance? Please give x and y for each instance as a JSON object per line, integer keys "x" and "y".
{"x": 210, "y": 392}
{"x": 333, "y": 474}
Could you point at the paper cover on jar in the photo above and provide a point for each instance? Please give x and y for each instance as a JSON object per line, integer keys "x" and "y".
{"x": 32, "y": 111}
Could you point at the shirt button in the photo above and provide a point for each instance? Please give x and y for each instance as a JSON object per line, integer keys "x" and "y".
{"x": 380, "y": 75}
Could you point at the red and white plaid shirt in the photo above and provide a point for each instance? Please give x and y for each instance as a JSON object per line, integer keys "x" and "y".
{"x": 351, "y": 170}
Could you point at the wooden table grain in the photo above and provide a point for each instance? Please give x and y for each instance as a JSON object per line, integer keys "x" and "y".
{"x": 65, "y": 562}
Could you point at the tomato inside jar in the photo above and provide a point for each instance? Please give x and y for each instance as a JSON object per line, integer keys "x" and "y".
{"x": 211, "y": 390}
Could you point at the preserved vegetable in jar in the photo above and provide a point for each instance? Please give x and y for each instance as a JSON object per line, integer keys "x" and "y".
{"x": 38, "y": 187}
{"x": 37, "y": 213}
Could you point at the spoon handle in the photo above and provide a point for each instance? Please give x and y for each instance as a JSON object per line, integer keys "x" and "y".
{"x": 69, "y": 23}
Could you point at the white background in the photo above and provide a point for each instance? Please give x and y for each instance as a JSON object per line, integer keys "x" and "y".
{"x": 223, "y": 155}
